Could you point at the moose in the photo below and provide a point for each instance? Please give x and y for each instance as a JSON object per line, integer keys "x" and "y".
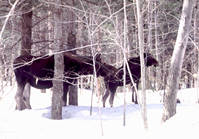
{"x": 116, "y": 79}
{"x": 38, "y": 71}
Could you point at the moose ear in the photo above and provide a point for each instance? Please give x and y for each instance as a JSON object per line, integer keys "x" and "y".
{"x": 98, "y": 57}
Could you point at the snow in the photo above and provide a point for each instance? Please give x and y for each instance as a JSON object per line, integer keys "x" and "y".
{"x": 104, "y": 123}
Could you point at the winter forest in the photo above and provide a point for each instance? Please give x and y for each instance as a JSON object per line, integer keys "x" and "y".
{"x": 61, "y": 59}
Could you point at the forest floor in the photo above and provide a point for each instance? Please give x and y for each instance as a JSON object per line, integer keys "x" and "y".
{"x": 105, "y": 123}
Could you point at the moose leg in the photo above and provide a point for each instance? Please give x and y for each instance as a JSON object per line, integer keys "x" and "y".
{"x": 26, "y": 96}
{"x": 105, "y": 97}
{"x": 19, "y": 97}
{"x": 106, "y": 93}
{"x": 134, "y": 93}
{"x": 64, "y": 97}
{"x": 136, "y": 100}
{"x": 111, "y": 99}
{"x": 134, "y": 96}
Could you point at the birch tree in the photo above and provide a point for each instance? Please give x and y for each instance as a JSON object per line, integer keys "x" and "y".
{"x": 141, "y": 47}
{"x": 125, "y": 57}
{"x": 169, "y": 106}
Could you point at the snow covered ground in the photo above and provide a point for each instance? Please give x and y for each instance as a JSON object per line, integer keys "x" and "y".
{"x": 105, "y": 123}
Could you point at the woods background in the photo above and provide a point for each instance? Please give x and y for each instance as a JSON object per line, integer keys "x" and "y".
{"x": 92, "y": 26}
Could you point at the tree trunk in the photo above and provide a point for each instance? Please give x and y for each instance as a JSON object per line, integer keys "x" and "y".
{"x": 1, "y": 73}
{"x": 56, "y": 110}
{"x": 73, "y": 90}
{"x": 169, "y": 106}
{"x": 141, "y": 48}
{"x": 189, "y": 75}
{"x": 71, "y": 42}
{"x": 196, "y": 40}
{"x": 26, "y": 42}
{"x": 50, "y": 28}
{"x": 124, "y": 63}
{"x": 26, "y": 29}
{"x": 73, "y": 95}
{"x": 157, "y": 72}
{"x": 196, "y": 51}
{"x": 43, "y": 50}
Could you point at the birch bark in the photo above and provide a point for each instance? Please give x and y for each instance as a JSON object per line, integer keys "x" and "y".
{"x": 169, "y": 106}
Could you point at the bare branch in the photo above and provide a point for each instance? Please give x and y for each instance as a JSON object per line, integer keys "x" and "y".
{"x": 5, "y": 23}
